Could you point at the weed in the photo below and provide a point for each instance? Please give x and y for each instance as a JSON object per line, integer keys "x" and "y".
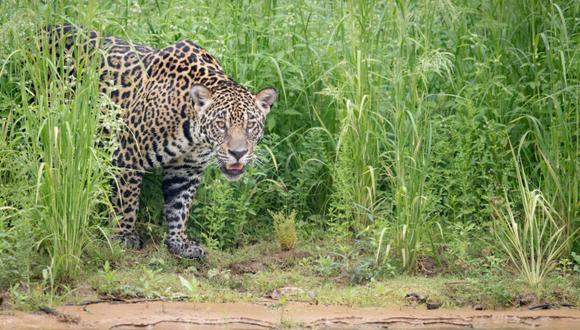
{"x": 190, "y": 285}
{"x": 325, "y": 266}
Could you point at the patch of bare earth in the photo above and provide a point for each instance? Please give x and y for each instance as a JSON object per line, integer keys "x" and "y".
{"x": 277, "y": 259}
{"x": 184, "y": 315}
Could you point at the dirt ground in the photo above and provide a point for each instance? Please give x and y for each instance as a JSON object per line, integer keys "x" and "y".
{"x": 271, "y": 314}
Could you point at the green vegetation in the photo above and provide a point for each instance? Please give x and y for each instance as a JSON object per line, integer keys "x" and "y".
{"x": 285, "y": 228}
{"x": 539, "y": 239}
{"x": 392, "y": 139}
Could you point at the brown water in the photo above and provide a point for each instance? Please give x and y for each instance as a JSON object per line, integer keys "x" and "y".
{"x": 265, "y": 315}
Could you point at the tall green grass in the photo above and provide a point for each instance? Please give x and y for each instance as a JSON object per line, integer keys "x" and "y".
{"x": 63, "y": 123}
{"x": 535, "y": 237}
{"x": 393, "y": 122}
{"x": 59, "y": 131}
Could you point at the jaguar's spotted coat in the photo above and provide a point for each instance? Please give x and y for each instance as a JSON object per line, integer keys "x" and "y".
{"x": 179, "y": 110}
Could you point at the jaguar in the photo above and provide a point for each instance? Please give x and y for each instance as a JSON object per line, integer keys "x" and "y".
{"x": 180, "y": 112}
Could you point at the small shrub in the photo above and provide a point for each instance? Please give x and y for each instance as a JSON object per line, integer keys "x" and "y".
{"x": 285, "y": 227}
{"x": 221, "y": 212}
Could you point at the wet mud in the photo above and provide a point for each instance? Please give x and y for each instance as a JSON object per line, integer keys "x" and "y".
{"x": 270, "y": 314}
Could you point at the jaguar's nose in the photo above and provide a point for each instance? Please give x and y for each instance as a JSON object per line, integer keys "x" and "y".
{"x": 238, "y": 154}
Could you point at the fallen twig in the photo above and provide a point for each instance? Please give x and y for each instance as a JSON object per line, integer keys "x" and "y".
{"x": 61, "y": 317}
{"x": 568, "y": 305}
{"x": 540, "y": 306}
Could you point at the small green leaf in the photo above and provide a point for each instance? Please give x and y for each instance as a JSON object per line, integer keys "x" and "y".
{"x": 271, "y": 123}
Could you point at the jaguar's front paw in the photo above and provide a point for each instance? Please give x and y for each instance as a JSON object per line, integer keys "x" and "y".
{"x": 130, "y": 240}
{"x": 185, "y": 249}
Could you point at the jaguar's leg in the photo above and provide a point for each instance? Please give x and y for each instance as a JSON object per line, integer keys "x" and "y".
{"x": 180, "y": 181}
{"x": 126, "y": 203}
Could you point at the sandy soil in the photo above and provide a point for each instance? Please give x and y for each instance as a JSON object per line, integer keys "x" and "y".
{"x": 185, "y": 315}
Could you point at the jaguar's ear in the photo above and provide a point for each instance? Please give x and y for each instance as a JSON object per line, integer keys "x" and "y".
{"x": 201, "y": 97}
{"x": 266, "y": 98}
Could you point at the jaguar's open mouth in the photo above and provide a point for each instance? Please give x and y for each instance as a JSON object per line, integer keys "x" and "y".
{"x": 232, "y": 171}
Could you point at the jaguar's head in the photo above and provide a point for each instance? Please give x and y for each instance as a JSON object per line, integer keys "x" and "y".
{"x": 233, "y": 120}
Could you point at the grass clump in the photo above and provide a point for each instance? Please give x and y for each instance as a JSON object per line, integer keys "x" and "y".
{"x": 534, "y": 238}
{"x": 60, "y": 115}
{"x": 72, "y": 171}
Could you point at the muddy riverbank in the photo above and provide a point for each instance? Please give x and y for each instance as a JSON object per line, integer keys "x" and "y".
{"x": 268, "y": 314}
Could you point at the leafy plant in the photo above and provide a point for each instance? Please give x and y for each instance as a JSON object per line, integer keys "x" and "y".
{"x": 576, "y": 258}
{"x": 325, "y": 266}
{"x": 224, "y": 218}
{"x": 190, "y": 285}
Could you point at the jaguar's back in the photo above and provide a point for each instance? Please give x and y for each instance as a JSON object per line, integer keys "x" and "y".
{"x": 126, "y": 66}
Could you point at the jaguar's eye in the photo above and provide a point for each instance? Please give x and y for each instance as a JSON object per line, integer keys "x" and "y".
{"x": 221, "y": 125}
{"x": 251, "y": 124}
